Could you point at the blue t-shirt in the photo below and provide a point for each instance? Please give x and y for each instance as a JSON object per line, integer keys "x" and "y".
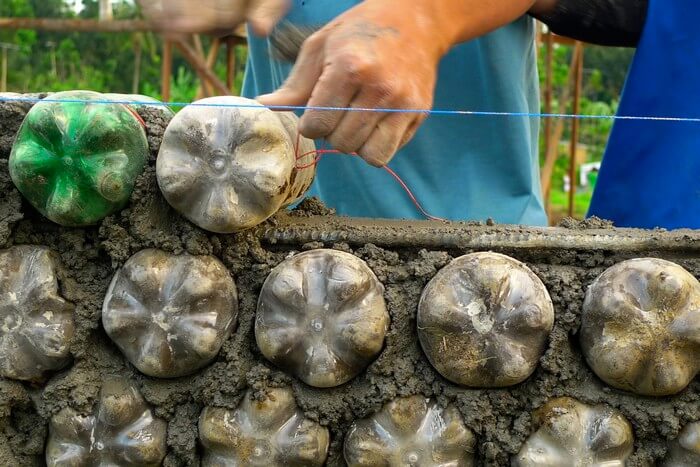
{"x": 650, "y": 176}
{"x": 459, "y": 167}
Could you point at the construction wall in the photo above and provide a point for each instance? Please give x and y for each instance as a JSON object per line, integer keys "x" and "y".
{"x": 404, "y": 257}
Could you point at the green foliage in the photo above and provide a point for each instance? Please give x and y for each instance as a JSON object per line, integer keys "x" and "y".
{"x": 605, "y": 70}
{"x": 103, "y": 62}
{"x": 183, "y": 87}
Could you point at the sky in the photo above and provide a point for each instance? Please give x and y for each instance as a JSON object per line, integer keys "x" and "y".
{"x": 79, "y": 4}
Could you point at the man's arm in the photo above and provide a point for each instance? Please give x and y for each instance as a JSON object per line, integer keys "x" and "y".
{"x": 604, "y": 22}
{"x": 382, "y": 54}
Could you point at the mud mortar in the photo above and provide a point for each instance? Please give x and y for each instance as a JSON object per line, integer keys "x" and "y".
{"x": 404, "y": 257}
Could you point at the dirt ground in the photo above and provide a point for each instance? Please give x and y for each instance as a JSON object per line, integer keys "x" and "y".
{"x": 403, "y": 260}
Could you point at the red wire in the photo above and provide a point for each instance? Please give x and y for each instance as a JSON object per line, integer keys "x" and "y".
{"x": 135, "y": 114}
{"x": 319, "y": 153}
{"x": 412, "y": 196}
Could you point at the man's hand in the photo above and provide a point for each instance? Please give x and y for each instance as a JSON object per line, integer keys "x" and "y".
{"x": 214, "y": 16}
{"x": 382, "y": 54}
{"x": 365, "y": 58}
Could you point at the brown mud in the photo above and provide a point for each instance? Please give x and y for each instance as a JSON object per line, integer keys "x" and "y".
{"x": 402, "y": 259}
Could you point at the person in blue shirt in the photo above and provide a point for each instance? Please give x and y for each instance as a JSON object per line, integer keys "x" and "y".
{"x": 404, "y": 55}
{"x": 650, "y": 172}
{"x": 650, "y": 175}
{"x": 446, "y": 54}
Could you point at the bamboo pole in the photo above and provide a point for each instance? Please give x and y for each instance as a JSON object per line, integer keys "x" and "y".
{"x": 4, "y": 64}
{"x": 204, "y": 89}
{"x": 3, "y": 73}
{"x": 167, "y": 69}
{"x": 106, "y": 13}
{"x": 91, "y": 25}
{"x": 574, "y": 129}
{"x": 230, "y": 62}
{"x": 200, "y": 66}
{"x": 77, "y": 25}
{"x": 558, "y": 131}
{"x": 138, "y": 54}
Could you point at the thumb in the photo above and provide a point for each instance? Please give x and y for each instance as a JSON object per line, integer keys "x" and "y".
{"x": 300, "y": 84}
{"x": 263, "y": 15}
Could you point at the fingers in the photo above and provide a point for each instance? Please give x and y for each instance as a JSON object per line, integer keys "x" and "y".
{"x": 264, "y": 15}
{"x": 332, "y": 90}
{"x": 350, "y": 74}
{"x": 387, "y": 138}
{"x": 356, "y": 127}
{"x": 298, "y": 87}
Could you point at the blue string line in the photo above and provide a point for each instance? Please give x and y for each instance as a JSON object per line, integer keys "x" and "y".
{"x": 359, "y": 109}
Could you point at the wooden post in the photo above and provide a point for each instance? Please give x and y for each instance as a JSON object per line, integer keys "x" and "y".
{"x": 3, "y": 78}
{"x": 90, "y": 25}
{"x": 574, "y": 128}
{"x": 4, "y": 63}
{"x": 167, "y": 69}
{"x": 204, "y": 88}
{"x": 200, "y": 66}
{"x": 106, "y": 10}
{"x": 197, "y": 41}
{"x": 230, "y": 62}
{"x": 558, "y": 130}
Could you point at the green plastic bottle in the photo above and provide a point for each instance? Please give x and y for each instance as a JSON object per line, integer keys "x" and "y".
{"x": 76, "y": 162}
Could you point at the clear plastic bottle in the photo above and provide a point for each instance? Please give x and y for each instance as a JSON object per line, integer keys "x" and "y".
{"x": 570, "y": 433}
{"x": 121, "y": 431}
{"x": 483, "y": 321}
{"x": 268, "y": 430}
{"x": 170, "y": 314}
{"x": 228, "y": 164}
{"x": 36, "y": 323}
{"x": 411, "y": 432}
{"x": 321, "y": 317}
{"x": 640, "y": 327}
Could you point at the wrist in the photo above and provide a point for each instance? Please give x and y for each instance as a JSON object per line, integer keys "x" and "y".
{"x": 446, "y": 23}
{"x": 422, "y": 22}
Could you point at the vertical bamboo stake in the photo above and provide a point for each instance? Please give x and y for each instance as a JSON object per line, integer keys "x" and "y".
{"x": 230, "y": 62}
{"x": 558, "y": 130}
{"x": 138, "y": 53}
{"x": 574, "y": 128}
{"x": 203, "y": 91}
{"x": 3, "y": 80}
{"x": 200, "y": 67}
{"x": 106, "y": 10}
{"x": 167, "y": 69}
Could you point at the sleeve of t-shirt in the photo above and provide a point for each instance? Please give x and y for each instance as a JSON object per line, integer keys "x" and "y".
{"x": 603, "y": 22}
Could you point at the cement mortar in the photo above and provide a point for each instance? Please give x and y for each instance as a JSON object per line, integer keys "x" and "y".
{"x": 500, "y": 418}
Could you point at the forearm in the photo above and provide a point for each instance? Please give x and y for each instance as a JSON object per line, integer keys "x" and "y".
{"x": 603, "y": 22}
{"x": 457, "y": 21}
{"x": 440, "y": 24}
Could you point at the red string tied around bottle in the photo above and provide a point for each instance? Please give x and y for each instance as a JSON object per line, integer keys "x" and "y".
{"x": 318, "y": 153}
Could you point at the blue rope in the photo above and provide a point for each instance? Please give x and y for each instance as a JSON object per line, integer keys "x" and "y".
{"x": 360, "y": 109}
